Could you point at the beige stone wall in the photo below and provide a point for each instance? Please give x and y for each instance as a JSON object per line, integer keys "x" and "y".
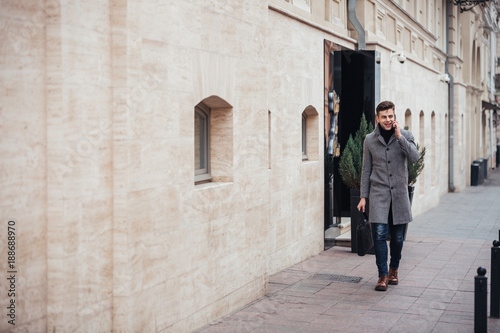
{"x": 98, "y": 107}
{"x": 191, "y": 253}
{"x": 97, "y": 116}
{"x": 23, "y": 162}
{"x": 79, "y": 180}
{"x": 296, "y": 80}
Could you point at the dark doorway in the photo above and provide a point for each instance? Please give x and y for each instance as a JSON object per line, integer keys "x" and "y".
{"x": 355, "y": 74}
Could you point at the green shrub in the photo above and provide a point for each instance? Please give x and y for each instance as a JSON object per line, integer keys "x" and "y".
{"x": 351, "y": 159}
{"x": 415, "y": 169}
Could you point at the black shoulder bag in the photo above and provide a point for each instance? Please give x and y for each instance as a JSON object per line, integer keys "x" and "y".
{"x": 364, "y": 236}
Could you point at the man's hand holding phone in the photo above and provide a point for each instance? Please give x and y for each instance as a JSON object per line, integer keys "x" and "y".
{"x": 397, "y": 129}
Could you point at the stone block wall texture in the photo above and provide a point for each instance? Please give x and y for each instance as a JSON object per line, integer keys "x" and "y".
{"x": 97, "y": 151}
{"x": 97, "y": 116}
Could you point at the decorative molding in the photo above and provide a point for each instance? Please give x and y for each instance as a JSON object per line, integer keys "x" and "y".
{"x": 399, "y": 34}
{"x": 337, "y": 17}
{"x": 303, "y": 20}
{"x": 380, "y": 13}
{"x": 408, "y": 15}
{"x": 466, "y": 5}
{"x": 413, "y": 44}
{"x": 375, "y": 45}
{"x": 474, "y": 90}
{"x": 380, "y": 23}
{"x": 303, "y": 4}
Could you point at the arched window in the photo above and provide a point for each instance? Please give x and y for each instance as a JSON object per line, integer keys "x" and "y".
{"x": 310, "y": 134}
{"x": 421, "y": 127}
{"x": 213, "y": 141}
{"x": 408, "y": 119}
{"x": 269, "y": 160}
{"x": 201, "y": 142}
{"x": 304, "y": 136}
{"x": 463, "y": 141}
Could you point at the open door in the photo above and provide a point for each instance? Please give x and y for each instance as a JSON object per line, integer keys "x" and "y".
{"x": 356, "y": 81}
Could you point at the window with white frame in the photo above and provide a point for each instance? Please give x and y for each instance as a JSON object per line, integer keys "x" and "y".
{"x": 304, "y": 136}
{"x": 202, "y": 143}
{"x": 213, "y": 141}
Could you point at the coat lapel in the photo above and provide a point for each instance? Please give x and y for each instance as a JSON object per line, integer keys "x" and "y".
{"x": 381, "y": 138}
{"x": 393, "y": 137}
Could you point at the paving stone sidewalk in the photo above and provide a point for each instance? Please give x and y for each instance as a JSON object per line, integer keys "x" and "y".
{"x": 334, "y": 291}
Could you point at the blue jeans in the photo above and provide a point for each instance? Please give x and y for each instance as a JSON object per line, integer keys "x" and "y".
{"x": 380, "y": 244}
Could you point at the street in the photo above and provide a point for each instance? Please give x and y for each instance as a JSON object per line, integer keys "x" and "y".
{"x": 334, "y": 291}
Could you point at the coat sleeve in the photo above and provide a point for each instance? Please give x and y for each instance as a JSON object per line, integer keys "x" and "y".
{"x": 408, "y": 146}
{"x": 366, "y": 171}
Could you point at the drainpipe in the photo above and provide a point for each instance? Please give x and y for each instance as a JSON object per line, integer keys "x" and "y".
{"x": 351, "y": 10}
{"x": 451, "y": 187}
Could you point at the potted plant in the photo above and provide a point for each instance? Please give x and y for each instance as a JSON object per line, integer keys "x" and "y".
{"x": 351, "y": 162}
{"x": 414, "y": 170}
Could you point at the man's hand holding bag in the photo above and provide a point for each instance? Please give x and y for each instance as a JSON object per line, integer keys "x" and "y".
{"x": 364, "y": 236}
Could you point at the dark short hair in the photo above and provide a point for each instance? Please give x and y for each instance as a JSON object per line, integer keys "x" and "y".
{"x": 385, "y": 105}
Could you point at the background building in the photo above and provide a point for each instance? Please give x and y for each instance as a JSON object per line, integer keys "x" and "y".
{"x": 161, "y": 159}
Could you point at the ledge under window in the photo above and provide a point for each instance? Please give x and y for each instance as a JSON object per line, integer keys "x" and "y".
{"x": 208, "y": 185}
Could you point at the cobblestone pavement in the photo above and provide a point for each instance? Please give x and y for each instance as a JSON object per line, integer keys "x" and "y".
{"x": 334, "y": 291}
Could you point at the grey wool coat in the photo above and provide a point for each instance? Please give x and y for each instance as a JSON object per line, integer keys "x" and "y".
{"x": 384, "y": 176}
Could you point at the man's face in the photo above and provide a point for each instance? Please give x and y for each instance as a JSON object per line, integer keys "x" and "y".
{"x": 386, "y": 119}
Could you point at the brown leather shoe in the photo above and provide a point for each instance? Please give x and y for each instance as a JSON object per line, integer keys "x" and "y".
{"x": 393, "y": 276}
{"x": 382, "y": 283}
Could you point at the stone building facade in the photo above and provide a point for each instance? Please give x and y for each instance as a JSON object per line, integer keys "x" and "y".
{"x": 160, "y": 159}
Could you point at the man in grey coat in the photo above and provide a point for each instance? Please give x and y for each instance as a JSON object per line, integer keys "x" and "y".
{"x": 384, "y": 181}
